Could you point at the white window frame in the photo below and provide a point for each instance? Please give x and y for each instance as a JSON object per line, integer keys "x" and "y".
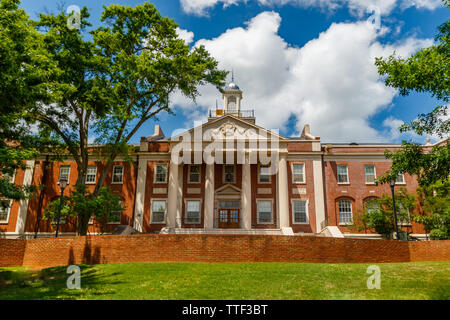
{"x": 259, "y": 174}
{"x": 120, "y": 216}
{"x": 156, "y": 170}
{"x": 8, "y": 211}
{"x": 337, "y": 174}
{"x": 91, "y": 220}
{"x": 402, "y": 222}
{"x": 257, "y": 210}
{"x": 113, "y": 174}
{"x": 12, "y": 177}
{"x": 95, "y": 175}
{"x": 234, "y": 173}
{"x": 306, "y": 201}
{"x": 366, "y": 202}
{"x": 374, "y": 173}
{"x": 151, "y": 213}
{"x": 351, "y": 213}
{"x": 68, "y": 173}
{"x": 304, "y": 174}
{"x": 199, "y": 174}
{"x": 403, "y": 178}
{"x": 186, "y": 211}
{"x": 62, "y": 220}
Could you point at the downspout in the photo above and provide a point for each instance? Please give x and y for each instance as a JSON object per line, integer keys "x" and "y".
{"x": 41, "y": 197}
{"x": 135, "y": 189}
{"x": 324, "y": 190}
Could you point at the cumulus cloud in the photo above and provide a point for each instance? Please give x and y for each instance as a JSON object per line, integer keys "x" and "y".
{"x": 200, "y": 7}
{"x": 422, "y": 4}
{"x": 357, "y": 7}
{"x": 187, "y": 36}
{"x": 392, "y": 125}
{"x": 330, "y": 83}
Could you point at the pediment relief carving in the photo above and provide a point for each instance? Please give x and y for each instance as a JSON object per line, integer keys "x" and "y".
{"x": 229, "y": 130}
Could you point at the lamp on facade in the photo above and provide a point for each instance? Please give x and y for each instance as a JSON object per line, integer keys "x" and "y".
{"x": 392, "y": 184}
{"x": 62, "y": 185}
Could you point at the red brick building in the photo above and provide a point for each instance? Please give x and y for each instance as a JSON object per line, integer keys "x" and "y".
{"x": 226, "y": 176}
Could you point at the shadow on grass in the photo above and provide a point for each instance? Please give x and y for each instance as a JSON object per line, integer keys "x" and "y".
{"x": 441, "y": 292}
{"x": 51, "y": 283}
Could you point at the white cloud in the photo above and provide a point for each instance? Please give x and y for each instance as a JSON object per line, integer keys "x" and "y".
{"x": 330, "y": 83}
{"x": 187, "y": 36}
{"x": 393, "y": 124}
{"x": 200, "y": 7}
{"x": 422, "y": 4}
{"x": 357, "y": 7}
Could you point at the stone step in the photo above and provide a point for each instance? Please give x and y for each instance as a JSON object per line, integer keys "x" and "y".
{"x": 223, "y": 231}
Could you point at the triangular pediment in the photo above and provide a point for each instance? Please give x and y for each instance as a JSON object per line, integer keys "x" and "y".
{"x": 228, "y": 189}
{"x": 228, "y": 127}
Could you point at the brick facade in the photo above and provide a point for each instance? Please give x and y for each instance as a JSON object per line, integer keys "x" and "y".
{"x": 320, "y": 188}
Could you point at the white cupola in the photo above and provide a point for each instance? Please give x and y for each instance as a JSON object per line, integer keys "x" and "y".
{"x": 232, "y": 97}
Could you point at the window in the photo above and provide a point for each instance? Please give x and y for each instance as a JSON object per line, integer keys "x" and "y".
{"x": 64, "y": 173}
{"x": 5, "y": 207}
{"x": 400, "y": 179}
{"x": 264, "y": 173}
{"x": 158, "y": 211}
{"x": 372, "y": 206}
{"x": 345, "y": 212}
{"x": 91, "y": 220}
{"x": 91, "y": 174}
{"x": 117, "y": 174}
{"x": 62, "y": 219}
{"x": 194, "y": 174}
{"x": 161, "y": 173}
{"x": 115, "y": 216}
{"x": 404, "y": 218}
{"x": 369, "y": 172}
{"x": 228, "y": 171}
{"x": 264, "y": 211}
{"x": 192, "y": 211}
{"x": 342, "y": 174}
{"x": 299, "y": 210}
{"x": 9, "y": 177}
{"x": 298, "y": 173}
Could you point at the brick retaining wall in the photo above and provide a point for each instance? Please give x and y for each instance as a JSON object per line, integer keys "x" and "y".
{"x": 12, "y": 252}
{"x": 213, "y": 248}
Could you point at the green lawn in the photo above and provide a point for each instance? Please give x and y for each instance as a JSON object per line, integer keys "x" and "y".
{"x": 424, "y": 280}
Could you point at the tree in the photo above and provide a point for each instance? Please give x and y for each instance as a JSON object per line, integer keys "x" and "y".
{"x": 114, "y": 81}
{"x": 434, "y": 201}
{"x": 427, "y": 70}
{"x": 378, "y": 213}
{"x": 81, "y": 205}
{"x": 23, "y": 68}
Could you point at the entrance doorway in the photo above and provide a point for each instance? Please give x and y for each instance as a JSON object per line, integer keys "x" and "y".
{"x": 229, "y": 214}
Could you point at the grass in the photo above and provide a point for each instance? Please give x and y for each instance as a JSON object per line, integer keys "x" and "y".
{"x": 421, "y": 280}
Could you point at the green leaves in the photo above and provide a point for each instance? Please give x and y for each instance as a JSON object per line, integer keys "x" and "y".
{"x": 429, "y": 166}
{"x": 428, "y": 70}
{"x": 378, "y": 213}
{"x": 435, "y": 204}
{"x": 81, "y": 205}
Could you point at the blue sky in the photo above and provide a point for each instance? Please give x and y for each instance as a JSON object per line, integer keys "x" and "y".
{"x": 299, "y": 61}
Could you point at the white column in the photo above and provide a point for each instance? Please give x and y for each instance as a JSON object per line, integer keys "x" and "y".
{"x": 283, "y": 195}
{"x": 140, "y": 194}
{"x": 23, "y": 207}
{"x": 209, "y": 197}
{"x": 319, "y": 199}
{"x": 246, "y": 195}
{"x": 172, "y": 196}
{"x": 179, "y": 197}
